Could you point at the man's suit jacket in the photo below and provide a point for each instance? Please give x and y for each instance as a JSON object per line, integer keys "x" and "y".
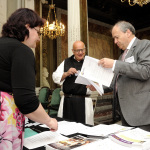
{"x": 133, "y": 84}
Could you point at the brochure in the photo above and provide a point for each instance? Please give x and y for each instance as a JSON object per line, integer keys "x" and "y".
{"x": 132, "y": 138}
{"x": 72, "y": 142}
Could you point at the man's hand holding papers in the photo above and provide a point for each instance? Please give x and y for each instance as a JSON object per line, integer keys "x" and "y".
{"x": 93, "y": 74}
{"x": 106, "y": 62}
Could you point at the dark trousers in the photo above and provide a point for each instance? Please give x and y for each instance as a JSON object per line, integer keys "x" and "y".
{"x": 74, "y": 109}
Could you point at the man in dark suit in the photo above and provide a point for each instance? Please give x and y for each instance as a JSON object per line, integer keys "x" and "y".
{"x": 131, "y": 82}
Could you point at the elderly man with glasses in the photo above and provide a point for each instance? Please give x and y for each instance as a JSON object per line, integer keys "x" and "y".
{"x": 76, "y": 105}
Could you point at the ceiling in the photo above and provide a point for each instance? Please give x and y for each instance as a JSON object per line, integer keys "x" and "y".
{"x": 111, "y": 11}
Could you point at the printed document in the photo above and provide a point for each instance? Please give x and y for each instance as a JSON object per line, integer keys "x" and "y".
{"x": 42, "y": 139}
{"x": 133, "y": 138}
{"x": 67, "y": 128}
{"x": 105, "y": 130}
{"x": 92, "y": 73}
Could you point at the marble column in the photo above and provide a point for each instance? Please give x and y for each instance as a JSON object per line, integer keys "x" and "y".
{"x": 77, "y": 23}
{"x": 73, "y": 23}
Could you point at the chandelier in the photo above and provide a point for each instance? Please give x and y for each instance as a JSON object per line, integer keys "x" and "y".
{"x": 52, "y": 29}
{"x": 139, "y": 2}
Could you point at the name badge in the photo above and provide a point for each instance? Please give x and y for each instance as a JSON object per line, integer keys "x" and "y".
{"x": 78, "y": 72}
{"x": 130, "y": 59}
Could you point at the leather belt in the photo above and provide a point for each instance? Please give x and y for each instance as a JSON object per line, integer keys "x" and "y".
{"x": 71, "y": 95}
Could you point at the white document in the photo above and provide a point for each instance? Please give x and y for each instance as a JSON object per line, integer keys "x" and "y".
{"x": 130, "y": 59}
{"x": 42, "y": 139}
{"x": 91, "y": 72}
{"x": 105, "y": 130}
{"x": 98, "y": 87}
{"x": 67, "y": 128}
{"x": 82, "y": 80}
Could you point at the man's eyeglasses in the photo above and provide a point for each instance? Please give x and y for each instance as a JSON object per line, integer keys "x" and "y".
{"x": 79, "y": 50}
{"x": 38, "y": 32}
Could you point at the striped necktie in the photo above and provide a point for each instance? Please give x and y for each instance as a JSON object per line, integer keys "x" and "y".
{"x": 124, "y": 55}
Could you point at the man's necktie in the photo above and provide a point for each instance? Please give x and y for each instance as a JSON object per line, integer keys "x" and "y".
{"x": 122, "y": 58}
{"x": 124, "y": 55}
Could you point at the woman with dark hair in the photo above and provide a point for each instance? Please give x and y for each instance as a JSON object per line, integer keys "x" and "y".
{"x": 17, "y": 78}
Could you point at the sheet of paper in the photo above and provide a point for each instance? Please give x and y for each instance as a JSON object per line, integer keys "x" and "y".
{"x": 98, "y": 87}
{"x": 42, "y": 139}
{"x": 92, "y": 71}
{"x": 67, "y": 128}
{"x": 104, "y": 130}
{"x": 82, "y": 80}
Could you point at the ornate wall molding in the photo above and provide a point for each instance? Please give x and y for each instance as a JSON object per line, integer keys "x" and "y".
{"x": 73, "y": 23}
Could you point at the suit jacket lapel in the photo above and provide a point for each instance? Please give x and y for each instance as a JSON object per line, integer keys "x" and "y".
{"x": 130, "y": 53}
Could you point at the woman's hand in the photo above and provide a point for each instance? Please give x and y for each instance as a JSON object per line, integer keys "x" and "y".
{"x": 53, "y": 125}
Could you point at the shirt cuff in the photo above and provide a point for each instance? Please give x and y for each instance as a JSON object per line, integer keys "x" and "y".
{"x": 113, "y": 68}
{"x": 88, "y": 91}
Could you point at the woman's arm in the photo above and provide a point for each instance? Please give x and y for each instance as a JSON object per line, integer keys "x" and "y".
{"x": 39, "y": 115}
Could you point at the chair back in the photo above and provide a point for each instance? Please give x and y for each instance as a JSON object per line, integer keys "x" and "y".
{"x": 55, "y": 101}
{"x": 44, "y": 94}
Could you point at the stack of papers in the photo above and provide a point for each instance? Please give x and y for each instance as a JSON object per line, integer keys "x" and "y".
{"x": 67, "y": 128}
{"x": 92, "y": 73}
{"x": 42, "y": 139}
{"x": 105, "y": 130}
{"x": 133, "y": 138}
{"x": 115, "y": 137}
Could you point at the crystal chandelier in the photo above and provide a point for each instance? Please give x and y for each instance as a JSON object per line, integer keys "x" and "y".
{"x": 52, "y": 29}
{"x": 139, "y": 2}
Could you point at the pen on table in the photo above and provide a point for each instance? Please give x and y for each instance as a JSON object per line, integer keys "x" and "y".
{"x": 36, "y": 130}
{"x": 96, "y": 137}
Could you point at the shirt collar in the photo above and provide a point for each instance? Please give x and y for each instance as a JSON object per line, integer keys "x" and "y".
{"x": 130, "y": 44}
{"x": 77, "y": 60}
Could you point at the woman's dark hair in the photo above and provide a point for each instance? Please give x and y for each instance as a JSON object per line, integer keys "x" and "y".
{"x": 15, "y": 25}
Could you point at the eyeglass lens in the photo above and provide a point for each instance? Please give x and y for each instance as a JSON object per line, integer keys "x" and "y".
{"x": 78, "y": 50}
{"x": 38, "y": 32}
